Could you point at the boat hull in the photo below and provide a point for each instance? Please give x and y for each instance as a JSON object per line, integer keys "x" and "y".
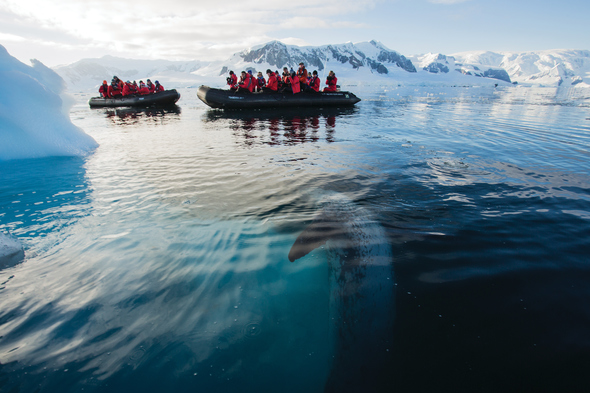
{"x": 226, "y": 99}
{"x": 163, "y": 98}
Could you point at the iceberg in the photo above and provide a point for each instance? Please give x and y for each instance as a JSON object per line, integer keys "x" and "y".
{"x": 34, "y": 122}
{"x": 11, "y": 251}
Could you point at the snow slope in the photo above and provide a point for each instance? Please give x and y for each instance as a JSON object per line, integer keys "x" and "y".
{"x": 33, "y": 119}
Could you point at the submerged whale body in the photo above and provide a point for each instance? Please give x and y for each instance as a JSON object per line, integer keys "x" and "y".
{"x": 361, "y": 294}
{"x": 11, "y": 251}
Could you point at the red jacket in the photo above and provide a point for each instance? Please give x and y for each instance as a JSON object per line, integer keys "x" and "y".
{"x": 254, "y": 82}
{"x": 295, "y": 86}
{"x": 331, "y": 84}
{"x": 128, "y": 90}
{"x": 247, "y": 83}
{"x": 233, "y": 80}
{"x": 144, "y": 90}
{"x": 151, "y": 86}
{"x": 159, "y": 88}
{"x": 272, "y": 82}
{"x": 104, "y": 91}
{"x": 114, "y": 91}
{"x": 302, "y": 74}
{"x": 314, "y": 83}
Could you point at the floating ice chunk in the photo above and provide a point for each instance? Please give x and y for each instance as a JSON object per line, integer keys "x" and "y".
{"x": 11, "y": 251}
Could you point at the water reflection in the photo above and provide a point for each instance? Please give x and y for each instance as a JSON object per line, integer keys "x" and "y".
{"x": 136, "y": 115}
{"x": 281, "y": 126}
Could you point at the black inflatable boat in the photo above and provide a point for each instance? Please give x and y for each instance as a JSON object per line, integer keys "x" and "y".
{"x": 162, "y": 98}
{"x": 226, "y": 99}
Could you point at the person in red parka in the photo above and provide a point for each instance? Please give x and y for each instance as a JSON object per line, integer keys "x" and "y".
{"x": 150, "y": 86}
{"x": 295, "y": 83}
{"x": 104, "y": 89}
{"x": 232, "y": 81}
{"x": 272, "y": 85}
{"x": 114, "y": 89}
{"x": 314, "y": 82}
{"x": 253, "y": 80}
{"x": 158, "y": 87}
{"x": 143, "y": 89}
{"x": 302, "y": 74}
{"x": 331, "y": 81}
{"x": 245, "y": 83}
{"x": 128, "y": 89}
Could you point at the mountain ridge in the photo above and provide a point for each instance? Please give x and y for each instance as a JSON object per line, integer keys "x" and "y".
{"x": 366, "y": 62}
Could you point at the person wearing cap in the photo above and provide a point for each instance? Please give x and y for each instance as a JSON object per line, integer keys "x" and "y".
{"x": 302, "y": 75}
{"x": 150, "y": 86}
{"x": 331, "y": 81}
{"x": 143, "y": 89}
{"x": 114, "y": 89}
{"x": 314, "y": 82}
{"x": 272, "y": 86}
{"x": 104, "y": 89}
{"x": 232, "y": 80}
{"x": 158, "y": 87}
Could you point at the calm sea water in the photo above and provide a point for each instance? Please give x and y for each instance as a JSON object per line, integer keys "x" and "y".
{"x": 159, "y": 263}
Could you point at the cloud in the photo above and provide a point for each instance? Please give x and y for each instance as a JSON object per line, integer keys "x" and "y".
{"x": 11, "y": 38}
{"x": 175, "y": 28}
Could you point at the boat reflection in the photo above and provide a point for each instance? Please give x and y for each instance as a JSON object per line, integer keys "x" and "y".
{"x": 281, "y": 126}
{"x": 136, "y": 115}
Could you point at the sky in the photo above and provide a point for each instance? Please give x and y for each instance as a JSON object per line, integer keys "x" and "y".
{"x": 64, "y": 31}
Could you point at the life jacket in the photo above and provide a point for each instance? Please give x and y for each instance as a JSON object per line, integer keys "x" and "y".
{"x": 104, "y": 90}
{"x": 261, "y": 81}
{"x": 233, "y": 80}
{"x": 331, "y": 84}
{"x": 151, "y": 86}
{"x": 302, "y": 74}
{"x": 314, "y": 83}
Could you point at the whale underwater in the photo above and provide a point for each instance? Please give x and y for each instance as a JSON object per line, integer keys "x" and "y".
{"x": 361, "y": 293}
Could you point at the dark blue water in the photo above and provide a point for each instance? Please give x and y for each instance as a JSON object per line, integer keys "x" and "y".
{"x": 159, "y": 263}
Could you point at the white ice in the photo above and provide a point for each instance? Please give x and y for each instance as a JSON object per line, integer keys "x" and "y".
{"x": 34, "y": 122}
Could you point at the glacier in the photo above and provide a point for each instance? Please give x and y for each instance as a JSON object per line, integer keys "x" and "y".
{"x": 365, "y": 63}
{"x": 34, "y": 119}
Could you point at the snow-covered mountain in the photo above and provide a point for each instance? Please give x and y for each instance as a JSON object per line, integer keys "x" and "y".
{"x": 551, "y": 67}
{"x": 372, "y": 55}
{"x": 364, "y": 63}
{"x": 88, "y": 73}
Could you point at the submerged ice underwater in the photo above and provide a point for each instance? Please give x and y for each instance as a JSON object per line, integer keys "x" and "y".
{"x": 457, "y": 223}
